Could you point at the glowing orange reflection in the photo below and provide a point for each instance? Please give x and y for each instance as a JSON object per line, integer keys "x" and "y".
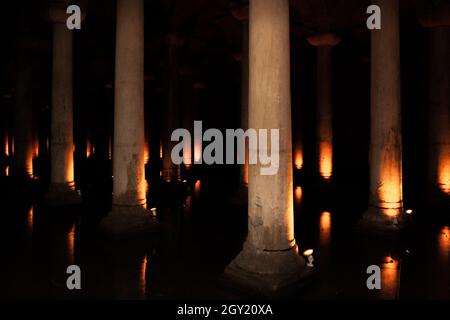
{"x": 142, "y": 278}
{"x": 69, "y": 174}
{"x": 160, "y": 150}
{"x": 7, "y": 171}
{"x": 88, "y": 148}
{"x": 326, "y": 160}
{"x": 390, "y": 278}
{"x": 298, "y": 158}
{"x": 298, "y": 193}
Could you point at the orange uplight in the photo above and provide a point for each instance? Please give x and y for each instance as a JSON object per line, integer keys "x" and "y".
{"x": 88, "y": 148}
{"x": 69, "y": 174}
{"x": 325, "y": 228}
{"x": 36, "y": 148}
{"x": 7, "y": 171}
{"x": 197, "y": 187}
{"x": 146, "y": 153}
{"x": 160, "y": 150}
{"x": 197, "y": 151}
{"x": 326, "y": 160}
{"x": 30, "y": 221}
{"x": 6, "y": 145}
{"x": 12, "y": 146}
{"x": 444, "y": 242}
{"x": 298, "y": 158}
{"x": 390, "y": 191}
{"x": 187, "y": 157}
{"x": 444, "y": 172}
{"x": 71, "y": 245}
{"x": 298, "y": 193}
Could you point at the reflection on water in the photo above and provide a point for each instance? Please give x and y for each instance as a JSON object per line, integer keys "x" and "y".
{"x": 390, "y": 278}
{"x": 142, "y": 278}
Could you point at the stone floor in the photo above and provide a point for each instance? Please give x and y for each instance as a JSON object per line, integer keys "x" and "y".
{"x": 199, "y": 237}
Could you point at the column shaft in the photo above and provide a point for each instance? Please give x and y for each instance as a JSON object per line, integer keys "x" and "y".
{"x": 128, "y": 162}
{"x": 324, "y": 111}
{"x": 439, "y": 91}
{"x": 244, "y": 96}
{"x": 386, "y": 137}
{"x": 62, "y": 145}
{"x": 23, "y": 118}
{"x": 269, "y": 259}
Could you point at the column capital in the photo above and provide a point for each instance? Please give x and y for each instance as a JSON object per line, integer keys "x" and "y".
{"x": 324, "y": 39}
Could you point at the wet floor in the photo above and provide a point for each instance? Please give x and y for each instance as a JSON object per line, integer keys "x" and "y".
{"x": 200, "y": 234}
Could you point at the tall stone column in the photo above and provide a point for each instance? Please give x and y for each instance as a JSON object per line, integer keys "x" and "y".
{"x": 386, "y": 201}
{"x": 439, "y": 119}
{"x": 171, "y": 172}
{"x": 23, "y": 116}
{"x": 324, "y": 43}
{"x": 269, "y": 259}
{"x": 62, "y": 184}
{"x": 129, "y": 215}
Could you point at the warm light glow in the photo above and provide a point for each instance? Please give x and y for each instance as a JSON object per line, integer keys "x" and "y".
{"x": 69, "y": 174}
{"x": 389, "y": 278}
{"x": 298, "y": 158}
{"x": 160, "y": 150}
{"x": 187, "y": 157}
{"x": 444, "y": 172}
{"x": 71, "y": 245}
{"x": 409, "y": 211}
{"x": 36, "y": 148}
{"x": 298, "y": 193}
{"x": 390, "y": 191}
{"x": 12, "y": 146}
{"x": 6, "y": 145}
{"x": 326, "y": 160}
{"x": 30, "y": 221}
{"x": 29, "y": 161}
{"x": 7, "y": 171}
{"x": 146, "y": 153}
{"x": 308, "y": 252}
{"x": 325, "y": 228}
{"x": 88, "y": 148}
{"x": 197, "y": 151}
{"x": 444, "y": 242}
{"x": 198, "y": 186}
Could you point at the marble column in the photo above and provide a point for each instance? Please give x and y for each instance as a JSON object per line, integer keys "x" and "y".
{"x": 23, "y": 116}
{"x": 439, "y": 119}
{"x": 386, "y": 201}
{"x": 269, "y": 259}
{"x": 129, "y": 216}
{"x": 62, "y": 184}
{"x": 171, "y": 172}
{"x": 324, "y": 43}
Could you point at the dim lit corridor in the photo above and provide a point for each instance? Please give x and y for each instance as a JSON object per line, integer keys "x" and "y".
{"x": 181, "y": 150}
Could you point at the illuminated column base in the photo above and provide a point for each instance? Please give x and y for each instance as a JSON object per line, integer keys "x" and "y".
{"x": 386, "y": 198}
{"x": 269, "y": 262}
{"x": 129, "y": 216}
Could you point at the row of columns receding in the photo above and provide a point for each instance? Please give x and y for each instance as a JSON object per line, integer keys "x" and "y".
{"x": 270, "y": 256}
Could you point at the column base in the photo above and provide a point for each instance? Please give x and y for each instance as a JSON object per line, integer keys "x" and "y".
{"x": 62, "y": 194}
{"x": 269, "y": 273}
{"x": 378, "y": 219}
{"x": 129, "y": 221}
